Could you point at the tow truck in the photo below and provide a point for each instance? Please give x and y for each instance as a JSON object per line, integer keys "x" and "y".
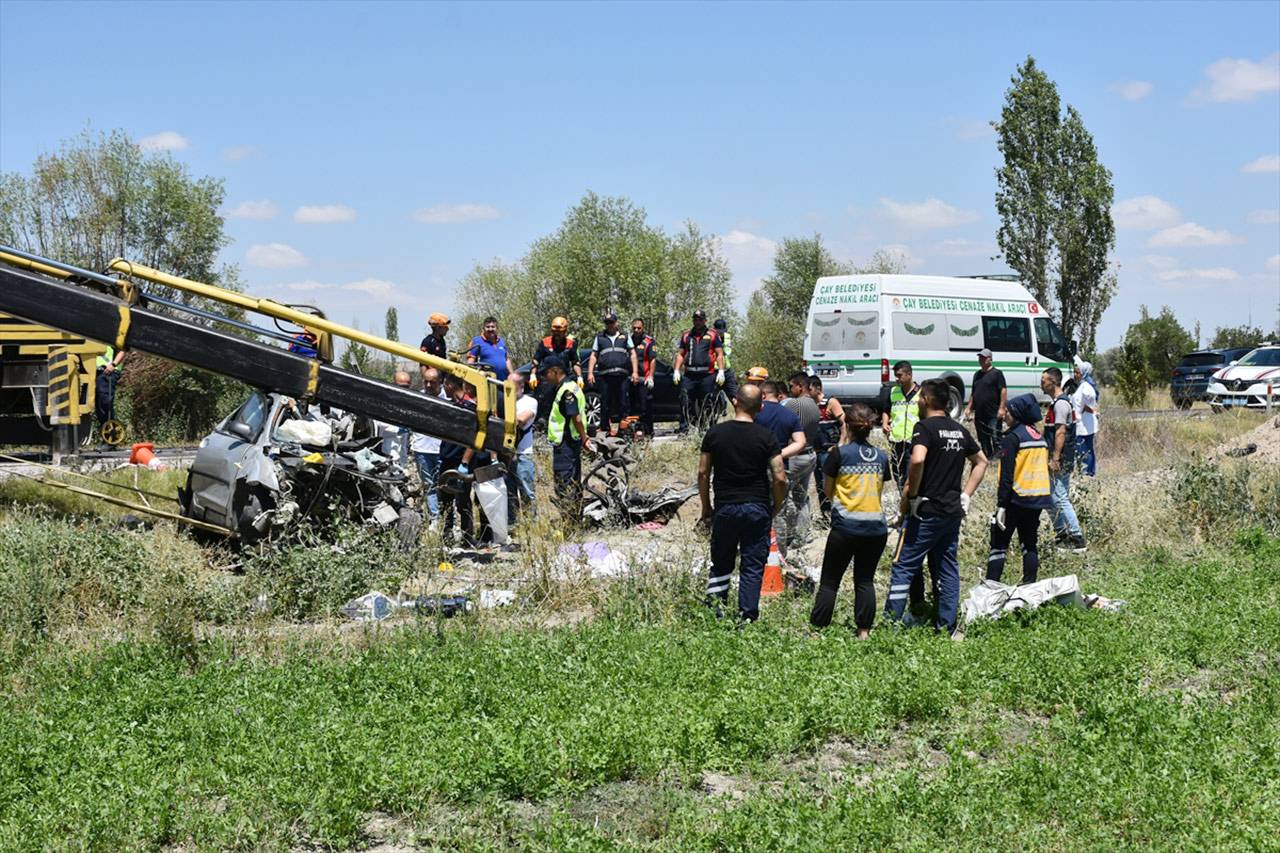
{"x": 116, "y": 307}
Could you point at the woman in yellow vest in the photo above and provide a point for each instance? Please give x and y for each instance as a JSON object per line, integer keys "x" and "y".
{"x": 1023, "y": 491}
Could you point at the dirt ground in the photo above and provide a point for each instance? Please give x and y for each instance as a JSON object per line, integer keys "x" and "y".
{"x": 1267, "y": 438}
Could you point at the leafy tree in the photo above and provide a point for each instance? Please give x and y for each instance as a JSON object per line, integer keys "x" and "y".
{"x": 391, "y": 324}
{"x": 604, "y": 255}
{"x": 1054, "y": 201}
{"x": 1158, "y": 342}
{"x": 1131, "y": 377}
{"x": 1225, "y": 337}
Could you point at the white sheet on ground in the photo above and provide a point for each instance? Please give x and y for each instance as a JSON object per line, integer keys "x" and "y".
{"x": 992, "y": 599}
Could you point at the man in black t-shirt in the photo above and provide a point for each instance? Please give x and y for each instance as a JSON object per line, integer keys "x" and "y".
{"x": 433, "y": 344}
{"x": 743, "y": 461}
{"x": 934, "y": 504}
{"x": 988, "y": 397}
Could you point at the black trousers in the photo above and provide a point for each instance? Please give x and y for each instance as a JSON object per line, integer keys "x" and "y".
{"x": 864, "y": 552}
{"x": 988, "y": 429}
{"x": 639, "y": 394}
{"x": 460, "y": 504}
{"x": 1026, "y": 522}
{"x": 614, "y": 399}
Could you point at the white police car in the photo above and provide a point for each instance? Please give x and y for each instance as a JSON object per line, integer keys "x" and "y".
{"x": 1248, "y": 382}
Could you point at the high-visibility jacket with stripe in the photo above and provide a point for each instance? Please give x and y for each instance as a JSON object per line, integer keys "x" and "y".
{"x": 1024, "y": 470}
{"x": 613, "y": 353}
{"x": 727, "y": 348}
{"x": 556, "y": 422}
{"x": 1053, "y": 422}
{"x": 904, "y": 412}
{"x": 860, "y": 477}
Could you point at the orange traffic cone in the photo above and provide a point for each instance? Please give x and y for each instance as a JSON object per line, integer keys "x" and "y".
{"x": 143, "y": 453}
{"x": 772, "y": 568}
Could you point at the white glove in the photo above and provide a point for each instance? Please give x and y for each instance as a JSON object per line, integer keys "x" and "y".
{"x": 965, "y": 500}
{"x": 675, "y": 377}
{"x": 648, "y": 382}
{"x": 998, "y": 518}
{"x": 913, "y": 506}
{"x": 719, "y": 377}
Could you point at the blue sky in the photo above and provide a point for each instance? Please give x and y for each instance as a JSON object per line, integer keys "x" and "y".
{"x": 373, "y": 153}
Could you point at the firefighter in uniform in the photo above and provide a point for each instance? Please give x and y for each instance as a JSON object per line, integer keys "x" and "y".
{"x": 700, "y": 360}
{"x": 560, "y": 343}
{"x": 899, "y": 419}
{"x": 613, "y": 362}
{"x": 646, "y": 360}
{"x": 1023, "y": 491}
{"x": 567, "y": 434}
{"x": 726, "y": 346}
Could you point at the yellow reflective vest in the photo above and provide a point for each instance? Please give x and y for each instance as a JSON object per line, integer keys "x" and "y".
{"x": 557, "y": 421}
{"x": 904, "y": 412}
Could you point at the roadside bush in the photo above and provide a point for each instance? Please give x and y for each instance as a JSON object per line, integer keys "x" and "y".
{"x": 1215, "y": 500}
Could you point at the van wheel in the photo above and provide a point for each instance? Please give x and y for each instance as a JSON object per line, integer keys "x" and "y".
{"x": 955, "y": 401}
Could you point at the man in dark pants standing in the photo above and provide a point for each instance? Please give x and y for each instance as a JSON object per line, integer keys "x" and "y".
{"x": 456, "y": 457}
{"x": 899, "y": 414}
{"x": 934, "y": 505}
{"x": 699, "y": 361}
{"x": 567, "y": 434}
{"x": 613, "y": 361}
{"x": 743, "y": 461}
{"x": 988, "y": 397}
{"x": 642, "y": 385}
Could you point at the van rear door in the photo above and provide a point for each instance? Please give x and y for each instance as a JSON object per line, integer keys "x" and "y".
{"x": 844, "y": 351}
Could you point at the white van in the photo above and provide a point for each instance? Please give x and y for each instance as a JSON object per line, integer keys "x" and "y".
{"x": 860, "y": 325}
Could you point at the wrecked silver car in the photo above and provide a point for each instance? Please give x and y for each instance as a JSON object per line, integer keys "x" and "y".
{"x": 274, "y": 462}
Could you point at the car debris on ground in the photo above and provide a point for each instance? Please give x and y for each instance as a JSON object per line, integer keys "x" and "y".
{"x": 609, "y": 499}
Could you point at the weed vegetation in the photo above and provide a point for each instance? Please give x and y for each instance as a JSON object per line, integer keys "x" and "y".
{"x": 159, "y": 694}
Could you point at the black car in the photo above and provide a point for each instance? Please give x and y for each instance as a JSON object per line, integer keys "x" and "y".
{"x": 664, "y": 397}
{"x": 1190, "y": 380}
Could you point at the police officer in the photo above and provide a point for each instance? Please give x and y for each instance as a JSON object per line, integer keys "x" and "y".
{"x": 613, "y": 362}
{"x": 899, "y": 416}
{"x": 1023, "y": 491}
{"x": 726, "y": 345}
{"x": 561, "y": 343}
{"x": 700, "y": 360}
{"x": 567, "y": 434}
{"x": 104, "y": 401}
{"x": 642, "y": 386}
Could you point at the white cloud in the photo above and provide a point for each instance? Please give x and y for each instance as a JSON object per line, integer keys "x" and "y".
{"x": 749, "y": 256}
{"x": 1265, "y": 217}
{"x": 1263, "y": 165}
{"x": 324, "y": 214}
{"x": 449, "y": 214}
{"x": 1273, "y": 263}
{"x": 239, "y": 152}
{"x": 931, "y": 213}
{"x": 902, "y": 254}
{"x": 307, "y": 285}
{"x": 1209, "y": 274}
{"x": 959, "y": 247}
{"x": 375, "y": 287}
{"x": 1239, "y": 79}
{"x": 1132, "y": 90}
{"x": 167, "y": 140}
{"x": 1144, "y": 213}
{"x": 253, "y": 210}
{"x": 275, "y": 256}
{"x": 1191, "y": 234}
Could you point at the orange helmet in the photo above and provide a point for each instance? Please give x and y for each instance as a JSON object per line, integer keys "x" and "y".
{"x": 438, "y": 319}
{"x": 559, "y": 324}
{"x": 758, "y": 374}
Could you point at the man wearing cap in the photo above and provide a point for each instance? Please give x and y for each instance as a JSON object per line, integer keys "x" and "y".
{"x": 642, "y": 385}
{"x": 700, "y": 360}
{"x": 988, "y": 398}
{"x": 559, "y": 342}
{"x": 567, "y": 434}
{"x": 490, "y": 350}
{"x": 434, "y": 343}
{"x": 899, "y": 414}
{"x": 756, "y": 376}
{"x": 726, "y": 345}
{"x": 613, "y": 362}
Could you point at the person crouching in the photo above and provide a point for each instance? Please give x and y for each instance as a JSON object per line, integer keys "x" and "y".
{"x": 1023, "y": 491}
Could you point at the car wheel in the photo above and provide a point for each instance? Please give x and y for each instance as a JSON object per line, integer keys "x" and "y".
{"x": 593, "y": 412}
{"x": 955, "y": 401}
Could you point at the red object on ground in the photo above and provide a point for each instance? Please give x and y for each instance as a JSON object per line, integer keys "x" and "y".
{"x": 772, "y": 569}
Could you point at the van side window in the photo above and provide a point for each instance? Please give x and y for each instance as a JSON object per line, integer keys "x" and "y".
{"x": 1050, "y": 341}
{"x": 919, "y": 331}
{"x": 826, "y": 335}
{"x": 1006, "y": 334}
{"x": 964, "y": 332}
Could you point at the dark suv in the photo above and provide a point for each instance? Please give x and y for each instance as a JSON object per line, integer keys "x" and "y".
{"x": 1190, "y": 380}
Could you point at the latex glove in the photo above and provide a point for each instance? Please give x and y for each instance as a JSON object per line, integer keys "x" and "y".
{"x": 965, "y": 500}
{"x": 533, "y": 380}
{"x": 581, "y": 384}
{"x": 998, "y": 518}
{"x": 675, "y": 377}
{"x": 463, "y": 469}
{"x": 719, "y": 377}
{"x": 648, "y": 383}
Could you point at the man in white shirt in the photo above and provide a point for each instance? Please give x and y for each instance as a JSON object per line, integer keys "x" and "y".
{"x": 396, "y": 439}
{"x": 521, "y": 474}
{"x": 426, "y": 448}
{"x": 1085, "y": 403}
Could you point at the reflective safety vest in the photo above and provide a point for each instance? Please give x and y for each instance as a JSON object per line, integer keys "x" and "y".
{"x": 644, "y": 354}
{"x": 1051, "y": 427}
{"x": 700, "y": 350}
{"x": 904, "y": 412}
{"x": 556, "y": 423}
{"x": 1030, "y": 480}
{"x": 726, "y": 345}
{"x": 612, "y": 354}
{"x": 567, "y": 345}
{"x": 106, "y": 358}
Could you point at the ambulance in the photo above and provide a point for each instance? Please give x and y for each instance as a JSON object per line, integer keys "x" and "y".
{"x": 859, "y": 326}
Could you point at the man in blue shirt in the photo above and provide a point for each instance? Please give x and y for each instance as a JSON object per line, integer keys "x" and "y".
{"x": 490, "y": 350}
{"x": 792, "y": 523}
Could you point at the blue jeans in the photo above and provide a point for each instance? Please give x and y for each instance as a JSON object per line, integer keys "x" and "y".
{"x": 428, "y": 468}
{"x": 937, "y": 538}
{"x": 520, "y": 486}
{"x": 739, "y": 528}
{"x": 1064, "y": 518}
{"x": 1085, "y": 458}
